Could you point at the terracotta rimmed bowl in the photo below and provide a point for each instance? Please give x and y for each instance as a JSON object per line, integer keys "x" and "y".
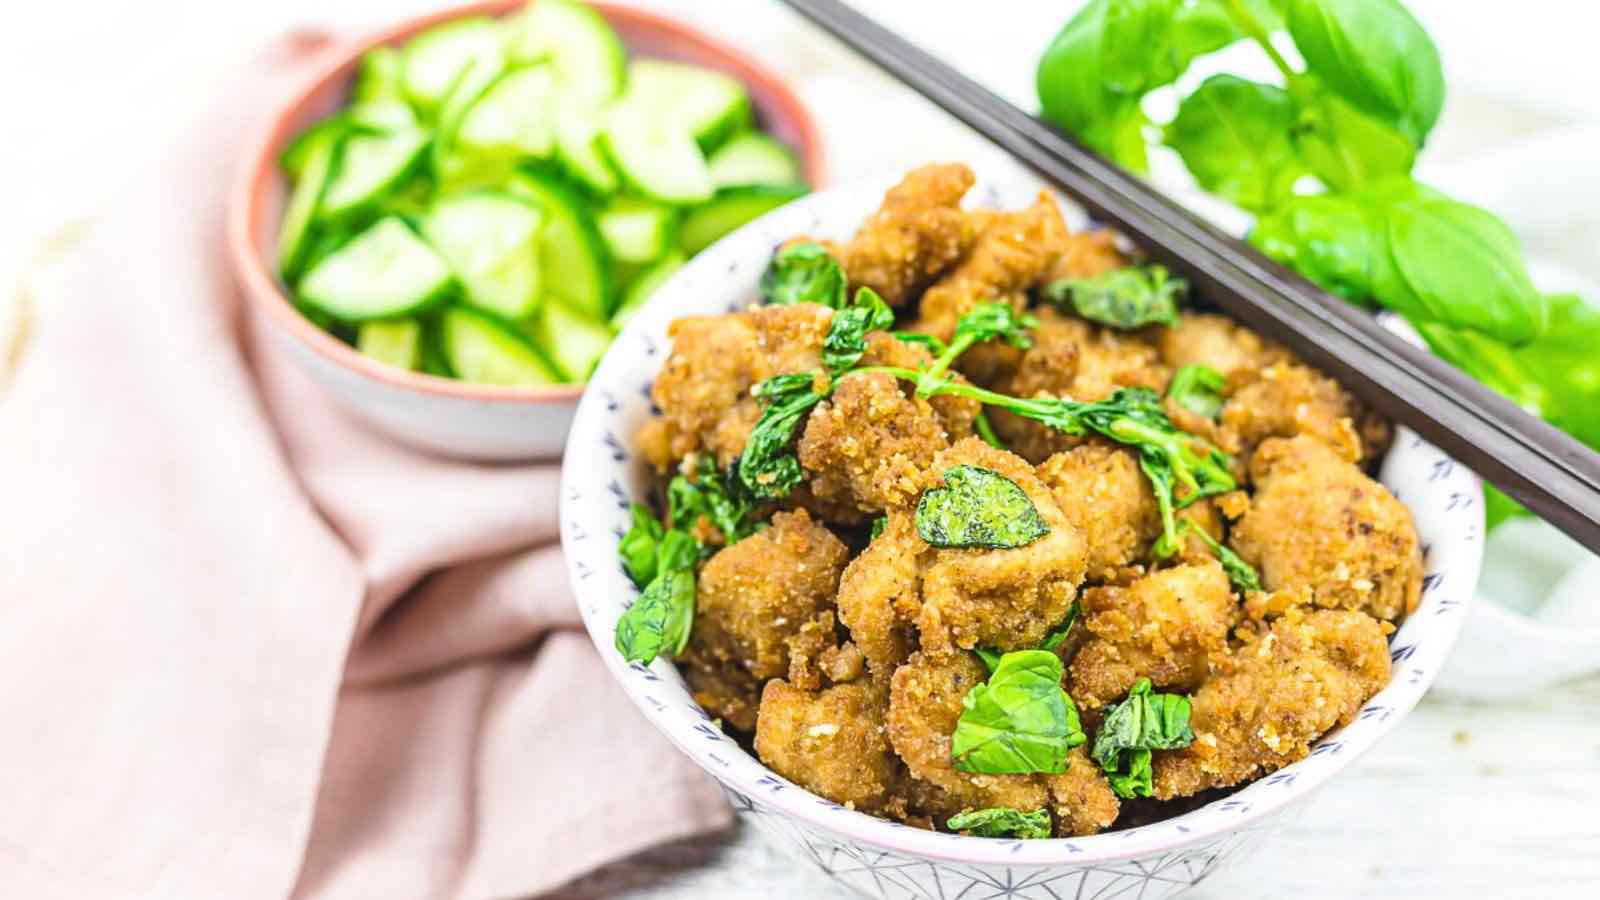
{"x": 878, "y": 858}
{"x": 440, "y": 414}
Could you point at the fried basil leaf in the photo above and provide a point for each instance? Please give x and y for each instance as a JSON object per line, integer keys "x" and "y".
{"x": 1125, "y": 298}
{"x": 934, "y": 345}
{"x": 768, "y": 467}
{"x": 992, "y": 321}
{"x": 803, "y": 273}
{"x": 878, "y": 525}
{"x": 660, "y": 620}
{"x": 846, "y": 340}
{"x": 1002, "y": 821}
{"x": 1241, "y": 575}
{"x": 1020, "y": 721}
{"x": 978, "y": 507}
{"x": 1060, "y": 632}
{"x": 639, "y": 546}
{"x": 712, "y": 496}
{"x": 1198, "y": 388}
{"x": 1141, "y": 723}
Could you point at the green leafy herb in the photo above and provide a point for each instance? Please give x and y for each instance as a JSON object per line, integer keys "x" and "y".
{"x": 768, "y": 467}
{"x": 934, "y": 345}
{"x": 713, "y": 496}
{"x": 1343, "y": 146}
{"x": 661, "y": 619}
{"x": 1020, "y": 721}
{"x": 878, "y": 525}
{"x": 978, "y": 507}
{"x": 1241, "y": 575}
{"x": 803, "y": 272}
{"x": 1331, "y": 239}
{"x": 1198, "y": 388}
{"x": 1127, "y": 298}
{"x": 640, "y": 545}
{"x": 1002, "y": 821}
{"x": 985, "y": 430}
{"x": 1141, "y": 723}
{"x": 846, "y": 340}
{"x": 1376, "y": 56}
{"x": 1234, "y": 135}
{"x": 984, "y": 322}
{"x": 1060, "y": 632}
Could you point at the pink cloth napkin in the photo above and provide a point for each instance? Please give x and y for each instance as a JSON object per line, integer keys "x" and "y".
{"x": 248, "y": 649}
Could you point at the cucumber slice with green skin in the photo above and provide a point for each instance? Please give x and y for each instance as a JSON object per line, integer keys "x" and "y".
{"x": 585, "y": 52}
{"x": 363, "y": 118}
{"x": 661, "y": 162}
{"x": 636, "y": 230}
{"x": 730, "y": 209}
{"x": 370, "y": 165}
{"x": 469, "y": 87}
{"x": 380, "y": 77}
{"x": 491, "y": 242}
{"x": 294, "y": 157}
{"x": 382, "y": 115}
{"x": 435, "y": 59}
{"x": 516, "y": 116}
{"x": 708, "y": 104}
{"x": 573, "y": 341}
{"x": 572, "y": 256}
{"x": 481, "y": 350}
{"x": 384, "y": 272}
{"x": 753, "y": 158}
{"x": 578, "y": 148}
{"x": 395, "y": 342}
{"x": 430, "y": 351}
{"x": 294, "y": 232}
{"x": 645, "y": 284}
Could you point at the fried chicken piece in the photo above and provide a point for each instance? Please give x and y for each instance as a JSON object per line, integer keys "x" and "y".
{"x": 725, "y": 691}
{"x": 1288, "y": 399}
{"x": 703, "y": 390}
{"x": 918, "y": 232}
{"x": 1081, "y": 797}
{"x": 880, "y": 594}
{"x": 831, "y": 742}
{"x": 817, "y": 657}
{"x": 1272, "y": 697}
{"x": 1320, "y": 528}
{"x": 1014, "y": 250}
{"x": 1219, "y": 342}
{"x": 755, "y": 596}
{"x": 924, "y": 703}
{"x": 1162, "y": 627}
{"x": 1006, "y": 599}
{"x": 1102, "y": 492}
{"x": 1085, "y": 254}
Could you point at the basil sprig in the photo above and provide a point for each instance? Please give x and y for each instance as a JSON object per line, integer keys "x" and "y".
{"x": 803, "y": 272}
{"x": 662, "y": 617}
{"x": 1019, "y": 721}
{"x": 1143, "y": 722}
{"x": 1127, "y": 298}
{"x": 978, "y": 507}
{"x": 1001, "y": 822}
{"x": 640, "y": 546}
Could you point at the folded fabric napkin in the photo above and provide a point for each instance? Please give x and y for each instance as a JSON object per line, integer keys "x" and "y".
{"x": 249, "y": 649}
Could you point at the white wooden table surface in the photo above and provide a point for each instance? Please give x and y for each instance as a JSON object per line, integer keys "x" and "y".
{"x": 1462, "y": 800}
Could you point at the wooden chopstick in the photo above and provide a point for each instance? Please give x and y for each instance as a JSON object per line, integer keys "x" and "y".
{"x": 1543, "y": 468}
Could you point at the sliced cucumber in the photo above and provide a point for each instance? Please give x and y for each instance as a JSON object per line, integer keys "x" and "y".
{"x": 572, "y": 256}
{"x": 381, "y": 76}
{"x": 491, "y": 242}
{"x": 369, "y": 165}
{"x": 386, "y": 271}
{"x": 294, "y": 232}
{"x": 435, "y": 59}
{"x": 516, "y": 116}
{"x": 430, "y": 352}
{"x": 659, "y": 161}
{"x": 753, "y": 158}
{"x": 469, "y": 87}
{"x": 588, "y": 58}
{"x": 396, "y": 342}
{"x": 480, "y": 349}
{"x": 643, "y": 285}
{"x": 636, "y": 230}
{"x": 708, "y": 104}
{"x": 731, "y": 208}
{"x": 578, "y": 147}
{"x": 294, "y": 157}
{"x": 573, "y": 341}
{"x": 382, "y": 115}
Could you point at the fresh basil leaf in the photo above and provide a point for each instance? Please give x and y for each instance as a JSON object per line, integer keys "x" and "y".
{"x": 1197, "y": 388}
{"x": 1143, "y": 722}
{"x": 1126, "y": 298}
{"x": 1234, "y": 135}
{"x": 1332, "y": 239}
{"x": 1375, "y": 55}
{"x": 1343, "y": 146}
{"x": 660, "y": 620}
{"x": 846, "y": 340}
{"x": 639, "y": 546}
{"x": 1200, "y": 27}
{"x": 1498, "y": 508}
{"x": 714, "y": 496}
{"x": 1060, "y": 632}
{"x": 803, "y": 272}
{"x": 1002, "y": 821}
{"x": 978, "y": 507}
{"x": 1020, "y": 721}
{"x": 768, "y": 468}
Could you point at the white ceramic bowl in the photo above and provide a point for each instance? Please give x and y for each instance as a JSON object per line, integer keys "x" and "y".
{"x": 880, "y": 858}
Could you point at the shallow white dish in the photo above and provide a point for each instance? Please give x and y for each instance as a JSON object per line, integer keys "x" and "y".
{"x": 885, "y": 859}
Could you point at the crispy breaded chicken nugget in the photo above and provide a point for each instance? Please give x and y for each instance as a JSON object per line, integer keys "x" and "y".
{"x": 831, "y": 742}
{"x": 1102, "y": 492}
{"x": 1320, "y": 530}
{"x": 918, "y": 232}
{"x": 1219, "y": 342}
{"x": 1011, "y": 254}
{"x": 1085, "y": 254}
{"x": 755, "y": 596}
{"x": 816, "y": 656}
{"x": 1162, "y": 627}
{"x": 1272, "y": 697}
{"x": 880, "y": 594}
{"x": 1081, "y": 797}
{"x": 1287, "y": 399}
{"x": 1005, "y": 599}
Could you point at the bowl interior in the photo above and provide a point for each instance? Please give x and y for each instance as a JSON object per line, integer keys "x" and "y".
{"x": 601, "y": 474}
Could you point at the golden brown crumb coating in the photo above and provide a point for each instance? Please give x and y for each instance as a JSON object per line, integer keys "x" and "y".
{"x": 1219, "y": 342}
{"x": 1161, "y": 627}
{"x": 918, "y": 232}
{"x": 1288, "y": 399}
{"x": 1011, "y": 254}
{"x": 1273, "y": 696}
{"x": 1005, "y": 599}
{"x": 1085, "y": 254}
{"x": 756, "y": 595}
{"x": 1319, "y": 528}
{"x": 724, "y": 690}
{"x": 1102, "y": 492}
{"x": 1081, "y": 796}
{"x": 880, "y": 593}
{"x": 832, "y": 742}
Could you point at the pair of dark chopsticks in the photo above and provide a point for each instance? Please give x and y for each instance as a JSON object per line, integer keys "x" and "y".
{"x": 1543, "y": 468}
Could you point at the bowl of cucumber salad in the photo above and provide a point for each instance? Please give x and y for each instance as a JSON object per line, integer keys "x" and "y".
{"x": 449, "y": 222}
